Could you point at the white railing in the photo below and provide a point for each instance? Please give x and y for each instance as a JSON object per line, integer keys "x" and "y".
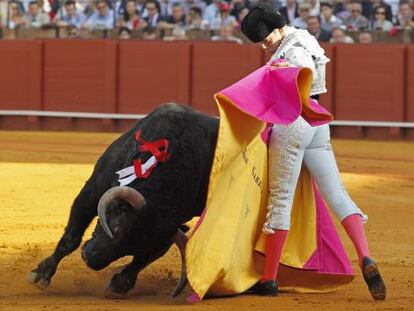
{"x": 92, "y": 115}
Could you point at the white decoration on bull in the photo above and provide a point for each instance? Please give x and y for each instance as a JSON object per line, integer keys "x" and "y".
{"x": 127, "y": 175}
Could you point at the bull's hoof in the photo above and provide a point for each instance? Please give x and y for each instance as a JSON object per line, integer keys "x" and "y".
{"x": 110, "y": 293}
{"x": 41, "y": 283}
{"x": 120, "y": 285}
{"x": 44, "y": 272}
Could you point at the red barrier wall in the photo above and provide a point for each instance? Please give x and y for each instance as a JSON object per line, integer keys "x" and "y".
{"x": 21, "y": 74}
{"x": 369, "y": 85}
{"x": 409, "y": 104}
{"x": 365, "y": 82}
{"x": 217, "y": 65}
{"x": 327, "y": 100}
{"x": 151, "y": 73}
{"x": 79, "y": 75}
{"x": 20, "y": 80}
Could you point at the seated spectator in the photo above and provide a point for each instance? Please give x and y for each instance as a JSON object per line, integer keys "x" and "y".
{"x": 124, "y": 33}
{"x": 314, "y": 7}
{"x": 142, "y": 11}
{"x": 226, "y": 34}
{"x": 356, "y": 21}
{"x": 165, "y": 7}
{"x": 224, "y": 16}
{"x": 368, "y": 9}
{"x": 176, "y": 35}
{"x": 72, "y": 15}
{"x": 342, "y": 9}
{"x": 328, "y": 19}
{"x": 339, "y": 36}
{"x": 153, "y": 17}
{"x": 188, "y": 4}
{"x": 242, "y": 14}
{"x": 103, "y": 18}
{"x": 16, "y": 18}
{"x": 314, "y": 28}
{"x": 51, "y": 7}
{"x": 194, "y": 19}
{"x": 211, "y": 13}
{"x": 149, "y": 33}
{"x": 87, "y": 8}
{"x": 35, "y": 18}
{"x": 300, "y": 22}
{"x": 240, "y": 17}
{"x": 365, "y": 37}
{"x": 72, "y": 32}
{"x": 236, "y": 6}
{"x": 4, "y": 14}
{"x": 131, "y": 18}
{"x": 290, "y": 11}
{"x": 176, "y": 19}
{"x": 405, "y": 17}
{"x": 379, "y": 22}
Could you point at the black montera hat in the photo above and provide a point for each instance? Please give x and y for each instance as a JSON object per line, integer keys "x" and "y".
{"x": 260, "y": 22}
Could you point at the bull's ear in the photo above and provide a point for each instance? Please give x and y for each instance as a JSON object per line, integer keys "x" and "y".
{"x": 184, "y": 228}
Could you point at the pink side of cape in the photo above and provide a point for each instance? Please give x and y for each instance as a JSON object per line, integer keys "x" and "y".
{"x": 272, "y": 96}
{"x": 330, "y": 256}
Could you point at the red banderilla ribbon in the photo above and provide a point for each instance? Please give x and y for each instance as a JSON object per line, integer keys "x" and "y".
{"x": 158, "y": 148}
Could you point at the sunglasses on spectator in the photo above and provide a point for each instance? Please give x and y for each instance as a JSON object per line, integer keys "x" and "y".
{"x": 303, "y": 10}
{"x": 356, "y": 11}
{"x": 380, "y": 12}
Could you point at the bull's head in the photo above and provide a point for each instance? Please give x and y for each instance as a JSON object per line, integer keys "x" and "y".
{"x": 125, "y": 227}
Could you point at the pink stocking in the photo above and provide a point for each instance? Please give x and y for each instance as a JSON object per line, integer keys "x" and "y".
{"x": 274, "y": 247}
{"x": 355, "y": 229}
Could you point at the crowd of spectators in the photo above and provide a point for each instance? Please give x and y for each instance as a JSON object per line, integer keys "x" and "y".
{"x": 328, "y": 20}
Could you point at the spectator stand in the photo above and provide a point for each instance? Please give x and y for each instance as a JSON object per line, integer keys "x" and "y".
{"x": 88, "y": 7}
{"x": 398, "y": 36}
{"x": 198, "y": 34}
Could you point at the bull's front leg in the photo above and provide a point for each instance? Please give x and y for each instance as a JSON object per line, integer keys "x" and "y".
{"x": 82, "y": 213}
{"x": 125, "y": 280}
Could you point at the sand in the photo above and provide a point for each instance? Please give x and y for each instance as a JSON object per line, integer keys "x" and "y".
{"x": 41, "y": 173}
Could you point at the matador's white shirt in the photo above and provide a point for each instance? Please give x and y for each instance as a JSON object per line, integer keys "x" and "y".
{"x": 301, "y": 49}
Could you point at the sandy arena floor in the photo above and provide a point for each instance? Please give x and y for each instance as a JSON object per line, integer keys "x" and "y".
{"x": 40, "y": 174}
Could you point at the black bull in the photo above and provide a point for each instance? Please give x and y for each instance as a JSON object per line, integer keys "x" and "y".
{"x": 142, "y": 223}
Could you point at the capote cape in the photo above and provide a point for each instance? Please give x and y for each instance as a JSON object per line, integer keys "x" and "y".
{"x": 225, "y": 254}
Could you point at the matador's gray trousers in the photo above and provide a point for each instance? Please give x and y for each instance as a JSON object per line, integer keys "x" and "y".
{"x": 289, "y": 146}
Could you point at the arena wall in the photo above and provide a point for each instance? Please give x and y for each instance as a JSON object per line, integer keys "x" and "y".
{"x": 366, "y": 82}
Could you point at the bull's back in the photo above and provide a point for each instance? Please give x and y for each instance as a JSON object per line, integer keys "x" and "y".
{"x": 183, "y": 179}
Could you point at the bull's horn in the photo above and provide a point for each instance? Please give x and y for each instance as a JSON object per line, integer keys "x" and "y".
{"x": 133, "y": 197}
{"x": 181, "y": 240}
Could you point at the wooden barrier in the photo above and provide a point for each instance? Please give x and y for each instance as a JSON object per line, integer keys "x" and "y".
{"x": 79, "y": 75}
{"x": 327, "y": 100}
{"x": 216, "y": 65}
{"x": 20, "y": 80}
{"x": 409, "y": 99}
{"x": 369, "y": 85}
{"x": 21, "y": 74}
{"x": 365, "y": 82}
{"x": 151, "y": 73}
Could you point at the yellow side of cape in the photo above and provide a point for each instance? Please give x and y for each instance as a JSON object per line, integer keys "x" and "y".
{"x": 221, "y": 257}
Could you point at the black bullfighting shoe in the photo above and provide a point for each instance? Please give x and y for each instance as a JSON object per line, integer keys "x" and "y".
{"x": 373, "y": 279}
{"x": 268, "y": 288}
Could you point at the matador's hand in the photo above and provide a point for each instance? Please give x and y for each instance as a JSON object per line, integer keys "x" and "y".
{"x": 277, "y": 65}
